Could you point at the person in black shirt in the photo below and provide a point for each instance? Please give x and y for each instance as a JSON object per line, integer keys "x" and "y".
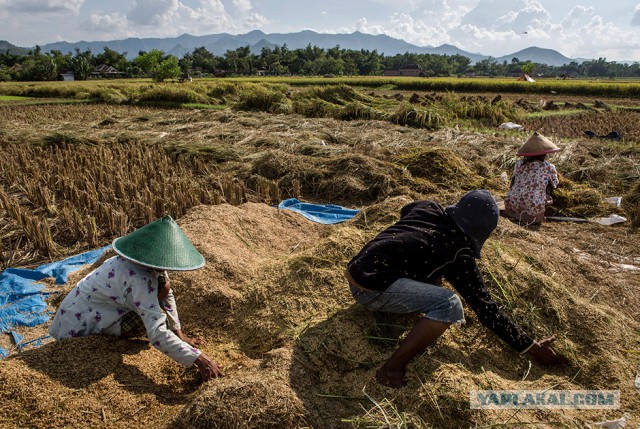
{"x": 399, "y": 272}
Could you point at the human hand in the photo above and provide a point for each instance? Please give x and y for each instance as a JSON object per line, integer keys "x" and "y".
{"x": 164, "y": 286}
{"x": 208, "y": 368}
{"x": 544, "y": 354}
{"x": 194, "y": 342}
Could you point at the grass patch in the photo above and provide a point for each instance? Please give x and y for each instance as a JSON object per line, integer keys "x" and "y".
{"x": 549, "y": 113}
{"x": 204, "y": 106}
{"x": 31, "y": 101}
{"x": 12, "y": 98}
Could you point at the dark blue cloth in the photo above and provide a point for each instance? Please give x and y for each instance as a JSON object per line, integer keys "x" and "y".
{"x": 476, "y": 214}
{"x": 22, "y": 302}
{"x": 321, "y": 213}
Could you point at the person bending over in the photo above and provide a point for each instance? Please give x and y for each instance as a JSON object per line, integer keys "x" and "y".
{"x": 130, "y": 294}
{"x": 400, "y": 270}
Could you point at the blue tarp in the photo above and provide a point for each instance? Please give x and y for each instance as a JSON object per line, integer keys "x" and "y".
{"x": 321, "y": 213}
{"x": 21, "y": 298}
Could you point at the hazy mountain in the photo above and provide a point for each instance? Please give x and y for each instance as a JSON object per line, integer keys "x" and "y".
{"x": 256, "y": 40}
{"x": 12, "y": 49}
{"x": 538, "y": 55}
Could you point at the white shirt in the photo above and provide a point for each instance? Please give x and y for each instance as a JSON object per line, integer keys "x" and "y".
{"x": 96, "y": 306}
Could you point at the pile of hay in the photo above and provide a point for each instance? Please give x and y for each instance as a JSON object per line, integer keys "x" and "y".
{"x": 273, "y": 305}
{"x": 631, "y": 205}
{"x": 298, "y": 352}
{"x": 255, "y": 400}
{"x": 577, "y": 200}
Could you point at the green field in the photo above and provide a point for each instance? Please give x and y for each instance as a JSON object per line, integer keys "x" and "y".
{"x": 471, "y": 103}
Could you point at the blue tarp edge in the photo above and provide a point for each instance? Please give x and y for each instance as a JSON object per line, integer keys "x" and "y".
{"x": 22, "y": 302}
{"x": 321, "y": 213}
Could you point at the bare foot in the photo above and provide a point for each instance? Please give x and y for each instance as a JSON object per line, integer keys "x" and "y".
{"x": 391, "y": 378}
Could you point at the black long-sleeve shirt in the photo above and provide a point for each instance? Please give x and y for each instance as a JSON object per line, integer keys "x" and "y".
{"x": 426, "y": 245}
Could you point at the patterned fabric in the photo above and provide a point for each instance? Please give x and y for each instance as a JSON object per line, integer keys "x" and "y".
{"x": 100, "y": 300}
{"x": 527, "y": 197}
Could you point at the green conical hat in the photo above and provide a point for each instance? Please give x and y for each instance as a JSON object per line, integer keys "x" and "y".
{"x": 161, "y": 245}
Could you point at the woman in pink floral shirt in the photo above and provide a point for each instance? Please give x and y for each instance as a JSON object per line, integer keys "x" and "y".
{"x": 132, "y": 291}
{"x": 532, "y": 182}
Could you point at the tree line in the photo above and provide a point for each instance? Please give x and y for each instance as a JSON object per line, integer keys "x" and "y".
{"x": 281, "y": 61}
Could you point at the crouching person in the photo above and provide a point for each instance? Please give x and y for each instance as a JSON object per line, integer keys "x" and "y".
{"x": 400, "y": 271}
{"x": 130, "y": 294}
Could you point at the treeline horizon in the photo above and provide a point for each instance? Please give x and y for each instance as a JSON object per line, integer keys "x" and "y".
{"x": 281, "y": 61}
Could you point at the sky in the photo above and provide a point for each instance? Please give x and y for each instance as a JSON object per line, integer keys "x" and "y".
{"x": 577, "y": 29}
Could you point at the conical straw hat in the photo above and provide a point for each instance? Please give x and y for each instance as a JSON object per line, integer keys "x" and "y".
{"x": 160, "y": 244}
{"x": 537, "y": 145}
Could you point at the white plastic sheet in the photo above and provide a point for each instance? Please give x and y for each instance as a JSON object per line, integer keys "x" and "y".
{"x": 510, "y": 126}
{"x": 610, "y": 220}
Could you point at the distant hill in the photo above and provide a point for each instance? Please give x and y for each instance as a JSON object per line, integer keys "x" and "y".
{"x": 256, "y": 40}
{"x": 538, "y": 55}
{"x": 12, "y": 49}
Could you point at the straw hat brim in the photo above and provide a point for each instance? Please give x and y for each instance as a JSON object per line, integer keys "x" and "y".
{"x": 542, "y": 152}
{"x": 158, "y": 266}
{"x": 537, "y": 145}
{"x": 160, "y": 245}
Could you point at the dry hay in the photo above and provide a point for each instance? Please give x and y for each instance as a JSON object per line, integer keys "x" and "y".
{"x": 274, "y": 307}
{"x": 297, "y": 351}
{"x": 255, "y": 400}
{"x": 631, "y": 205}
{"x": 574, "y": 199}
{"x": 360, "y": 178}
{"x": 442, "y": 167}
{"x": 210, "y": 157}
{"x": 384, "y": 213}
{"x": 601, "y": 122}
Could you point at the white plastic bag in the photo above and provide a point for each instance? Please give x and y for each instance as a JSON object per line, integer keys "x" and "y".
{"x": 510, "y": 126}
{"x": 612, "y": 424}
{"x": 616, "y": 201}
{"x": 609, "y": 220}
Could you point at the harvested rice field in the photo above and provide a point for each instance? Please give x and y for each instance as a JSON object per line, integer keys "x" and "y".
{"x": 272, "y": 302}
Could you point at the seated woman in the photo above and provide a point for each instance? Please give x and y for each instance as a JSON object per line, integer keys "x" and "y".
{"x": 533, "y": 181}
{"x": 130, "y": 294}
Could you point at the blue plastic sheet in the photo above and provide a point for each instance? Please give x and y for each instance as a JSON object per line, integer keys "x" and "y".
{"x": 321, "y": 213}
{"x": 22, "y": 301}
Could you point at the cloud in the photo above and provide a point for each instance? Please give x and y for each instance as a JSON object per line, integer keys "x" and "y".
{"x": 170, "y": 18}
{"x": 440, "y": 13}
{"x": 404, "y": 5}
{"x": 255, "y": 20}
{"x": 604, "y": 38}
{"x": 42, "y": 6}
{"x": 501, "y": 27}
{"x": 576, "y": 16}
{"x": 114, "y": 23}
{"x": 243, "y": 6}
{"x": 152, "y": 12}
{"x": 635, "y": 20}
{"x": 428, "y": 26}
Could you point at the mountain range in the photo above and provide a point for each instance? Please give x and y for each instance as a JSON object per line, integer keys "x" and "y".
{"x": 256, "y": 40}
